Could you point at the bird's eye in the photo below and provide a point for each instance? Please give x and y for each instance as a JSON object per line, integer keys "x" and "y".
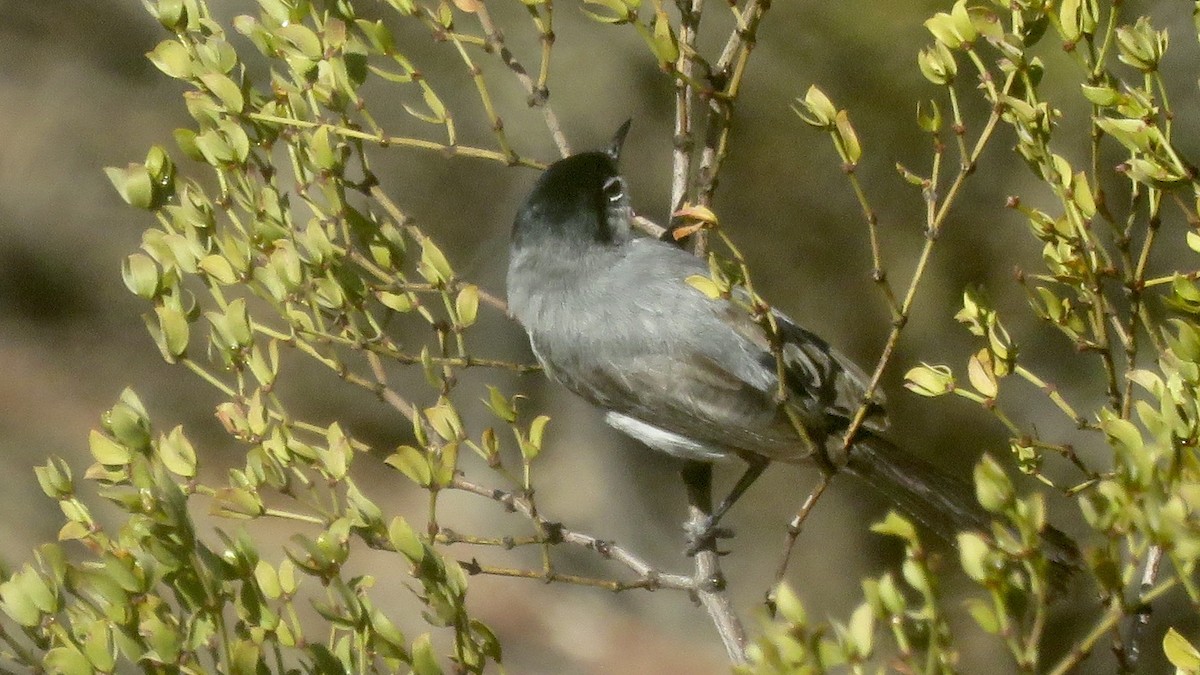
{"x": 614, "y": 189}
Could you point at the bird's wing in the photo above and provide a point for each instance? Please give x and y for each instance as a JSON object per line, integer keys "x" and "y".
{"x": 658, "y": 350}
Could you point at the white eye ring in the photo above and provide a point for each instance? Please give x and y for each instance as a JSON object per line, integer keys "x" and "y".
{"x": 614, "y": 189}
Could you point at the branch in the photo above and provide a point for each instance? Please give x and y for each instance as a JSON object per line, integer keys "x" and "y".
{"x": 681, "y": 160}
{"x": 708, "y": 583}
{"x": 404, "y": 141}
{"x": 538, "y": 96}
{"x": 648, "y": 576}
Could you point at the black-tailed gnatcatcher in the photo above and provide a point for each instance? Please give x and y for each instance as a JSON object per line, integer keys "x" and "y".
{"x": 611, "y": 317}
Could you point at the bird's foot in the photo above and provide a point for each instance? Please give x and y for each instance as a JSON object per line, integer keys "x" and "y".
{"x": 704, "y": 535}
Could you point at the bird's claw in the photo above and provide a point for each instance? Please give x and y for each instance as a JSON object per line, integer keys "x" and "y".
{"x": 705, "y": 536}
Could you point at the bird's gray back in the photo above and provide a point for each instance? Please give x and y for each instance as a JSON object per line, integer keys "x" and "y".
{"x": 650, "y": 346}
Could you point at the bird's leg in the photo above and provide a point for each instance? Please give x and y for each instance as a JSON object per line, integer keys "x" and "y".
{"x": 697, "y": 477}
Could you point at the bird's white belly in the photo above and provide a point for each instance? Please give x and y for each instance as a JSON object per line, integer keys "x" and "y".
{"x": 666, "y": 441}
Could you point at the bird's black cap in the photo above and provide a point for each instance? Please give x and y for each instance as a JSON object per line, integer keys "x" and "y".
{"x": 572, "y": 199}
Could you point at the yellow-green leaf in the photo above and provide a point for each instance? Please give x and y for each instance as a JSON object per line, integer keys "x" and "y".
{"x": 172, "y": 58}
{"x": 177, "y": 453}
{"x": 107, "y": 451}
{"x": 412, "y": 463}
{"x": 1181, "y": 653}
{"x": 226, "y": 90}
{"x": 705, "y": 285}
{"x": 466, "y": 305}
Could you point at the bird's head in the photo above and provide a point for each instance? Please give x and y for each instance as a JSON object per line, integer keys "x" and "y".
{"x": 580, "y": 199}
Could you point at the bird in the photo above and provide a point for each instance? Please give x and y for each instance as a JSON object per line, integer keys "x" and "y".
{"x": 611, "y": 315}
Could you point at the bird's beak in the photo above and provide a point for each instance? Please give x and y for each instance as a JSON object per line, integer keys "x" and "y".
{"x": 618, "y": 140}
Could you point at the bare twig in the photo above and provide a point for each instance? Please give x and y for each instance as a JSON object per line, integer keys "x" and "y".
{"x": 708, "y": 583}
{"x": 727, "y": 73}
{"x": 402, "y": 141}
{"x": 538, "y": 96}
{"x": 474, "y": 567}
{"x": 648, "y": 226}
{"x": 681, "y": 159}
{"x": 936, "y": 217}
{"x": 1111, "y": 619}
{"x": 793, "y": 532}
{"x": 648, "y": 576}
{"x": 743, "y": 34}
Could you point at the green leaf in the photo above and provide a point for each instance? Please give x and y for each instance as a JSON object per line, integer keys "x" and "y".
{"x": 1134, "y": 134}
{"x": 107, "y": 451}
{"x": 134, "y": 185}
{"x": 1101, "y": 95}
{"x": 237, "y": 503}
{"x": 445, "y": 421}
{"x": 399, "y": 302}
{"x": 928, "y": 380}
{"x": 981, "y": 375}
{"x": 67, "y": 660}
{"x": 322, "y": 149}
{"x": 984, "y": 615}
{"x": 141, "y": 276}
{"x": 896, "y": 525}
{"x": 226, "y": 90}
{"x": 172, "y": 58}
{"x": 850, "y": 147}
{"x": 663, "y": 43}
{"x": 268, "y": 580}
{"x": 500, "y": 406}
{"x": 816, "y": 109}
{"x": 789, "y": 605}
{"x": 705, "y": 285}
{"x": 862, "y": 629}
{"x": 531, "y": 446}
{"x": 54, "y": 477}
{"x": 434, "y": 266}
{"x": 1180, "y": 652}
{"x": 412, "y": 463}
{"x": 217, "y": 266}
{"x": 17, "y": 602}
{"x": 620, "y": 12}
{"x": 937, "y": 64}
{"x": 177, "y": 453}
{"x": 405, "y": 540}
{"x": 174, "y": 327}
{"x": 466, "y": 305}
{"x": 992, "y": 486}
{"x": 1193, "y": 241}
{"x": 302, "y": 38}
{"x": 973, "y": 553}
{"x": 423, "y": 660}
{"x": 929, "y": 118}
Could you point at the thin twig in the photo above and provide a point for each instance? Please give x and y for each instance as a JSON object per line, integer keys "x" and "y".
{"x": 649, "y": 226}
{"x": 681, "y": 157}
{"x": 538, "y": 96}
{"x": 743, "y": 34}
{"x": 935, "y": 219}
{"x": 607, "y": 549}
{"x": 729, "y": 73}
{"x": 387, "y": 393}
{"x": 708, "y": 583}
{"x": 474, "y": 567}
{"x": 403, "y": 141}
{"x": 1083, "y": 647}
{"x": 793, "y": 532}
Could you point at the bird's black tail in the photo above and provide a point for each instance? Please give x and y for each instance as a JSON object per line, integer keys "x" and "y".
{"x": 944, "y": 504}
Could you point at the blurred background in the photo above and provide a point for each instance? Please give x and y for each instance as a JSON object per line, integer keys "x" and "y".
{"x": 77, "y": 94}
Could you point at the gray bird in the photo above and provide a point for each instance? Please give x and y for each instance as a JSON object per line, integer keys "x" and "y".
{"x": 611, "y": 316}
